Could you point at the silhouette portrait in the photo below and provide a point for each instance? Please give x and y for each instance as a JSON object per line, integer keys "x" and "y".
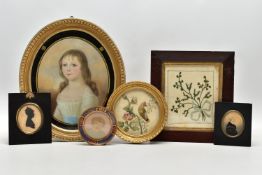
{"x": 231, "y": 129}
{"x": 30, "y": 115}
{"x": 233, "y": 123}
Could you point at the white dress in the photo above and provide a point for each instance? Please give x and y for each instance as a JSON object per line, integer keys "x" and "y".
{"x": 69, "y": 111}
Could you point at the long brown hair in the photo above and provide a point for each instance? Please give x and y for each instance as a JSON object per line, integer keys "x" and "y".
{"x": 86, "y": 74}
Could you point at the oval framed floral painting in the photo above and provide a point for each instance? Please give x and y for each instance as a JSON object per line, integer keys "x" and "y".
{"x": 140, "y": 111}
{"x": 78, "y": 63}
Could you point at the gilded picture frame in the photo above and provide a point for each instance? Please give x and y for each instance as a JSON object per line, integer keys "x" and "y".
{"x": 192, "y": 81}
{"x": 140, "y": 110}
{"x": 79, "y": 64}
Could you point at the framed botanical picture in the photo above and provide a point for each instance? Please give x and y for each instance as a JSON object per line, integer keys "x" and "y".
{"x": 78, "y": 63}
{"x": 192, "y": 81}
{"x": 233, "y": 124}
{"x": 140, "y": 111}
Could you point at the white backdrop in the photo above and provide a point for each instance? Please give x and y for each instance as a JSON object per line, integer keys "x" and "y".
{"x": 137, "y": 27}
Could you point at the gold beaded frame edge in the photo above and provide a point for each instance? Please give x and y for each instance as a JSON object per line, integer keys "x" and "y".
{"x": 48, "y": 31}
{"x": 158, "y": 97}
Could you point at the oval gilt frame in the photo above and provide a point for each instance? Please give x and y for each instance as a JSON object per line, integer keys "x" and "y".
{"x": 36, "y": 45}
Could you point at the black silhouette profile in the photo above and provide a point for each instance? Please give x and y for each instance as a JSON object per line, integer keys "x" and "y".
{"x": 231, "y": 129}
{"x": 30, "y": 115}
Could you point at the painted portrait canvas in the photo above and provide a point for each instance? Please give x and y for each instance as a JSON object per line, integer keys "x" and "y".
{"x": 75, "y": 73}
{"x": 98, "y": 125}
{"x": 79, "y": 64}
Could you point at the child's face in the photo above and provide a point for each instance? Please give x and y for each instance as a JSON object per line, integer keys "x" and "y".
{"x": 97, "y": 126}
{"x": 71, "y": 68}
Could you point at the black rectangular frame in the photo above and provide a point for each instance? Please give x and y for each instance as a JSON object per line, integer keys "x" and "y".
{"x": 245, "y": 138}
{"x": 16, "y": 136}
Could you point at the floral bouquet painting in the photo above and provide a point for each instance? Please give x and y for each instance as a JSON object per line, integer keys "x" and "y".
{"x": 136, "y": 117}
{"x": 196, "y": 101}
{"x": 191, "y": 92}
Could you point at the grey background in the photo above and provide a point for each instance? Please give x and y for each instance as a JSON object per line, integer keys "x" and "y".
{"x": 137, "y": 27}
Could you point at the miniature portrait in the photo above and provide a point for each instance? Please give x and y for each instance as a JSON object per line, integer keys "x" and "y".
{"x": 97, "y": 125}
{"x": 191, "y": 91}
{"x": 137, "y": 113}
{"x": 75, "y": 73}
{"x": 233, "y": 123}
{"x": 29, "y": 118}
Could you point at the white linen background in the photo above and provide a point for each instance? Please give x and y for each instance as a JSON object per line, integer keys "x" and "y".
{"x": 137, "y": 27}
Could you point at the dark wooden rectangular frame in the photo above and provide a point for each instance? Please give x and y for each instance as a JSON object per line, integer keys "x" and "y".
{"x": 226, "y": 58}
